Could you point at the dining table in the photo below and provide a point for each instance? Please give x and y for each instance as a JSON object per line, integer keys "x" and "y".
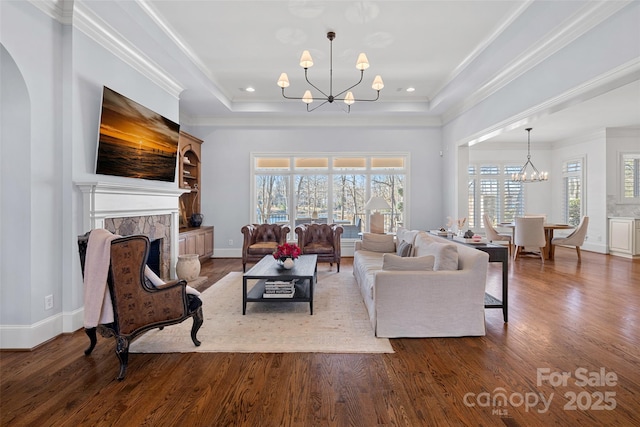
{"x": 549, "y": 228}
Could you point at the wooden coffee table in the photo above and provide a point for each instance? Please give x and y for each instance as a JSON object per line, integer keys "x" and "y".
{"x": 305, "y": 270}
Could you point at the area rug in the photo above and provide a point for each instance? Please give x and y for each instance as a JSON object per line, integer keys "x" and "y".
{"x": 339, "y": 324}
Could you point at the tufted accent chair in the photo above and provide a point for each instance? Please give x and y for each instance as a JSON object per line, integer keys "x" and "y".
{"x": 261, "y": 240}
{"x": 322, "y": 240}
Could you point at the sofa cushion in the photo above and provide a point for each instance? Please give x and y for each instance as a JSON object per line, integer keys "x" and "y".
{"x": 404, "y": 249}
{"x": 403, "y": 234}
{"x": 446, "y": 254}
{"x": 395, "y": 262}
{"x": 365, "y": 266}
{"x": 378, "y": 242}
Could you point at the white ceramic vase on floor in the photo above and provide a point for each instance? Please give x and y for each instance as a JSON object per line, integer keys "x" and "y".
{"x": 188, "y": 267}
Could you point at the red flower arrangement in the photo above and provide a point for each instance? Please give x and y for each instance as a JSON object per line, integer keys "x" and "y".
{"x": 288, "y": 250}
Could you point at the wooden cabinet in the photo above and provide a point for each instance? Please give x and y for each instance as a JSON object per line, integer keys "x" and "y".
{"x": 189, "y": 176}
{"x": 198, "y": 240}
{"x": 624, "y": 237}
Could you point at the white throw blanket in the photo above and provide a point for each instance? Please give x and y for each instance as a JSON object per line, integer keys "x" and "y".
{"x": 97, "y": 298}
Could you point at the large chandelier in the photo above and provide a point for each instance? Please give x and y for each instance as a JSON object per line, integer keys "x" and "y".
{"x": 528, "y": 172}
{"x": 306, "y": 62}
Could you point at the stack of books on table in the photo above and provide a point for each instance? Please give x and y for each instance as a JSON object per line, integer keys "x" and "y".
{"x": 279, "y": 289}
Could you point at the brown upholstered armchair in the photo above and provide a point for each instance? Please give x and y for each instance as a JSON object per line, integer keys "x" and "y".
{"x": 261, "y": 240}
{"x": 322, "y": 240}
{"x": 138, "y": 305}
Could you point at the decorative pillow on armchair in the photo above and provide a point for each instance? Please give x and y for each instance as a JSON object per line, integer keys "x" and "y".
{"x": 378, "y": 242}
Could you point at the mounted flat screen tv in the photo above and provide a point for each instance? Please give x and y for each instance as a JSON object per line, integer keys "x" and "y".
{"x": 134, "y": 141}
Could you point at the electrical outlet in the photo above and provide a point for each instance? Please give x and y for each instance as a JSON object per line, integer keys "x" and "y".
{"x": 230, "y": 242}
{"x": 48, "y": 302}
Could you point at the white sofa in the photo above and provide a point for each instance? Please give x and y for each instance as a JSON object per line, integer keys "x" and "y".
{"x": 411, "y": 303}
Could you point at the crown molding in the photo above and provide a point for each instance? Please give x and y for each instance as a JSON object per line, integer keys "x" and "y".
{"x": 100, "y": 32}
{"x": 437, "y": 95}
{"x": 294, "y": 121}
{"x": 215, "y": 88}
{"x": 60, "y": 10}
{"x": 567, "y": 32}
{"x": 624, "y": 74}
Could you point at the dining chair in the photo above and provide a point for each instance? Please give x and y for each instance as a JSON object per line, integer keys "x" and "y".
{"x": 529, "y": 232}
{"x": 492, "y": 233}
{"x": 576, "y": 238}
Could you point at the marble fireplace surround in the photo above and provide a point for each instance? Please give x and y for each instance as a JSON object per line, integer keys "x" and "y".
{"x": 135, "y": 209}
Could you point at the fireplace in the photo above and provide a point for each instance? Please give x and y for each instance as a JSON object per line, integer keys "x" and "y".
{"x": 157, "y": 228}
{"x": 129, "y": 209}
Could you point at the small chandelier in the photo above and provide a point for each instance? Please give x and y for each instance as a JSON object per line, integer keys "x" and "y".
{"x": 306, "y": 62}
{"x": 532, "y": 175}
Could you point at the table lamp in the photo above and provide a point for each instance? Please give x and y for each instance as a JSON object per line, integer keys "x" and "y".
{"x": 376, "y": 220}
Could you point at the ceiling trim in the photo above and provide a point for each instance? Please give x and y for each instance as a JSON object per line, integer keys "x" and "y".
{"x": 96, "y": 29}
{"x": 438, "y": 95}
{"x": 566, "y": 33}
{"x": 215, "y": 87}
{"x": 61, "y": 10}
{"x": 271, "y": 121}
{"x": 617, "y": 77}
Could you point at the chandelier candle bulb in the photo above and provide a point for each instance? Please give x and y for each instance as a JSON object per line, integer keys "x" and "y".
{"x": 378, "y": 84}
{"x": 349, "y": 99}
{"x": 283, "y": 81}
{"x": 307, "y": 98}
{"x": 362, "y": 63}
{"x": 305, "y": 60}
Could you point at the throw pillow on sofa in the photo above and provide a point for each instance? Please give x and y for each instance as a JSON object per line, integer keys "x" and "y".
{"x": 403, "y": 234}
{"x": 446, "y": 254}
{"x": 378, "y": 242}
{"x": 404, "y": 249}
{"x": 398, "y": 263}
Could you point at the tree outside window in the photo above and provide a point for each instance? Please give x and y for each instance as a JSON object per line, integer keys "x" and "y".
{"x": 328, "y": 189}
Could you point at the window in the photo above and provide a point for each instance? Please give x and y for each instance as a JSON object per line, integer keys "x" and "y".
{"x": 572, "y": 194}
{"x": 328, "y": 189}
{"x": 631, "y": 177}
{"x": 492, "y": 192}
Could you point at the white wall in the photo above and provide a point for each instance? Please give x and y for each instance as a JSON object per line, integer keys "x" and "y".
{"x": 226, "y": 169}
{"x": 592, "y": 150}
{"x": 33, "y": 258}
{"x": 62, "y": 72}
{"x": 14, "y": 162}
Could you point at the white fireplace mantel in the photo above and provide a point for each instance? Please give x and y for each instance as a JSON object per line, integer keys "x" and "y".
{"x": 101, "y": 200}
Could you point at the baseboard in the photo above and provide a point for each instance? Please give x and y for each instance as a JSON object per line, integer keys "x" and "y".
{"x": 600, "y": 248}
{"x": 28, "y": 337}
{"x": 227, "y": 253}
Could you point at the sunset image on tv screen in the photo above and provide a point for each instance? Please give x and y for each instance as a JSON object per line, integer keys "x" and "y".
{"x": 135, "y": 141}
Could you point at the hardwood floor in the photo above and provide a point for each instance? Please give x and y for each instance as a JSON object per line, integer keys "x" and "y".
{"x": 564, "y": 316}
